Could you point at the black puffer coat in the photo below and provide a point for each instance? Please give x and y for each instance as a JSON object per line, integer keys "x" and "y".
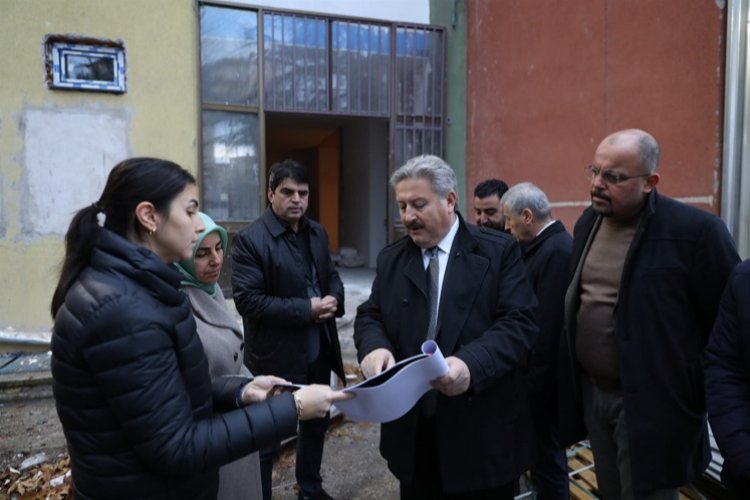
{"x": 132, "y": 387}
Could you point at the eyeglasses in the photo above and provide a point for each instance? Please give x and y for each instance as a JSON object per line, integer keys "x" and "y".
{"x": 609, "y": 177}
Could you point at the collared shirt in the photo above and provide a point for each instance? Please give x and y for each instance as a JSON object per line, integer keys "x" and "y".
{"x": 301, "y": 246}
{"x": 444, "y": 250}
{"x": 545, "y": 227}
{"x": 300, "y": 242}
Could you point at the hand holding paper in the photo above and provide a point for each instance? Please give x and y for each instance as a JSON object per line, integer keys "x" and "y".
{"x": 456, "y": 381}
{"x": 388, "y": 395}
{"x": 257, "y": 390}
{"x": 377, "y": 361}
{"x": 315, "y": 400}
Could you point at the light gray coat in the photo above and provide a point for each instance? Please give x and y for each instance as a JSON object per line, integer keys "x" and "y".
{"x": 223, "y": 343}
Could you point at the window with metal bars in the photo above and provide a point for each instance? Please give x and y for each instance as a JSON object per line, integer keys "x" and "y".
{"x": 230, "y": 101}
{"x": 311, "y": 64}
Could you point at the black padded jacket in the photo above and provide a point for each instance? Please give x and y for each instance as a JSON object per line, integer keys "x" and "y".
{"x": 132, "y": 387}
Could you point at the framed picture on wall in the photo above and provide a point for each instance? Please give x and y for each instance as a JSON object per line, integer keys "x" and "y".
{"x": 87, "y": 67}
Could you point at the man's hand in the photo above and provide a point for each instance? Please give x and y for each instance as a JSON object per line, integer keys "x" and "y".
{"x": 323, "y": 308}
{"x": 456, "y": 381}
{"x": 376, "y": 361}
{"x": 257, "y": 390}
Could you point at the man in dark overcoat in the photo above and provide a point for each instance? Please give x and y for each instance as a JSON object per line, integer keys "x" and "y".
{"x": 727, "y": 365}
{"x": 546, "y": 247}
{"x": 465, "y": 287}
{"x": 289, "y": 294}
{"x": 648, "y": 275}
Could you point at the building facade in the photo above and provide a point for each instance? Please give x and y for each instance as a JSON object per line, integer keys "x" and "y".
{"x": 562, "y": 76}
{"x": 222, "y": 88}
{"x": 516, "y": 89}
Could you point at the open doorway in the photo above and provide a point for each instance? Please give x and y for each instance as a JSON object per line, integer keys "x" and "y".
{"x": 348, "y": 163}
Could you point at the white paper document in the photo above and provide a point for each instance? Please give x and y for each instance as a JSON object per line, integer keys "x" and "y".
{"x": 390, "y": 394}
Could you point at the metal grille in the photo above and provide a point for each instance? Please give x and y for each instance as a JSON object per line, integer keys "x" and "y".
{"x": 312, "y": 64}
{"x": 361, "y": 68}
{"x": 319, "y": 65}
{"x": 417, "y": 126}
{"x": 295, "y": 62}
{"x": 419, "y": 97}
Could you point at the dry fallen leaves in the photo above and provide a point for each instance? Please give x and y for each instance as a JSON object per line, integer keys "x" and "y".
{"x": 38, "y": 483}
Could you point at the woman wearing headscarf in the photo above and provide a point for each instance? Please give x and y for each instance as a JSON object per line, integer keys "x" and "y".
{"x": 223, "y": 342}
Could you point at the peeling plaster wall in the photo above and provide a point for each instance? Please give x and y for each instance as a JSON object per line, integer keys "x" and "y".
{"x": 57, "y": 147}
{"x": 63, "y": 172}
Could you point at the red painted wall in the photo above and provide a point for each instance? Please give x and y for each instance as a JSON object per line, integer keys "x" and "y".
{"x": 548, "y": 80}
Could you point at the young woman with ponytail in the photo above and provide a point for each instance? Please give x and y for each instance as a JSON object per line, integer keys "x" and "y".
{"x": 140, "y": 413}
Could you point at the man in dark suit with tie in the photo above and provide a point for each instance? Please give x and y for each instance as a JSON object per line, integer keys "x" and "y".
{"x": 472, "y": 436}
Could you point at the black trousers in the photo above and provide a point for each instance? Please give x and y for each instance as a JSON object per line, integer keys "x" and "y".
{"x": 311, "y": 436}
{"x": 427, "y": 482}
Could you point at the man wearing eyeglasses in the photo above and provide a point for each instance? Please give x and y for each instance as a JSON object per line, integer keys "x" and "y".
{"x": 648, "y": 275}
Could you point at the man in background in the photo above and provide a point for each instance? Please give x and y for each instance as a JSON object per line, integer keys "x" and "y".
{"x": 488, "y": 211}
{"x": 289, "y": 294}
{"x": 648, "y": 276}
{"x": 546, "y": 247}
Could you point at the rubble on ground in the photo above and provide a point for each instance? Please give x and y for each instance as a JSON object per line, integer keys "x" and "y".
{"x": 40, "y": 481}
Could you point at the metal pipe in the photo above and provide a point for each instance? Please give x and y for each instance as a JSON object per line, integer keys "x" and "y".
{"x": 734, "y": 113}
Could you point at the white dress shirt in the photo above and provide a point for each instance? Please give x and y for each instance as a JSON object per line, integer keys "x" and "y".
{"x": 444, "y": 250}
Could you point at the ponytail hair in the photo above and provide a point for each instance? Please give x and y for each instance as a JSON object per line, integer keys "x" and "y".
{"x": 80, "y": 239}
{"x": 129, "y": 183}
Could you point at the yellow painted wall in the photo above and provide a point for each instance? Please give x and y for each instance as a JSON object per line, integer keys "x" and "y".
{"x": 161, "y": 102}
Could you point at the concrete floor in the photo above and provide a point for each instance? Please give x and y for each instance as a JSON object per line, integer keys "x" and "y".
{"x": 352, "y": 466}
{"x": 357, "y": 284}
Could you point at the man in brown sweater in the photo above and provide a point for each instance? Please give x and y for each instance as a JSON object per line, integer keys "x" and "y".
{"x": 648, "y": 276}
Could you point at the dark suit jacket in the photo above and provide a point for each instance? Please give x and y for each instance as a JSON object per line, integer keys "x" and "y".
{"x": 484, "y": 437}
{"x": 270, "y": 292}
{"x": 547, "y": 259}
{"x": 674, "y": 273}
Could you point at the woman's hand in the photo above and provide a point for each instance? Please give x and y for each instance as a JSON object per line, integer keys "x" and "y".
{"x": 258, "y": 390}
{"x": 314, "y": 401}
